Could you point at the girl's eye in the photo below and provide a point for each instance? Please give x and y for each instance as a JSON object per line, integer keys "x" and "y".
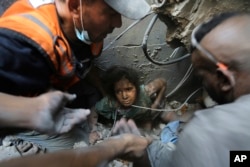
{"x": 118, "y": 92}
{"x": 129, "y": 89}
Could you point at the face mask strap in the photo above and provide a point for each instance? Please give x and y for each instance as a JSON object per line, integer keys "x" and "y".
{"x": 81, "y": 14}
{"x": 85, "y": 33}
{"x": 81, "y": 35}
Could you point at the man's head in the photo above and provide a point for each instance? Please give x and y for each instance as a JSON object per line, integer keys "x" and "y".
{"x": 94, "y": 19}
{"x": 221, "y": 56}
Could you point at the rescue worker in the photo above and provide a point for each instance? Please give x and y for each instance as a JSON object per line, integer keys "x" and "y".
{"x": 50, "y": 44}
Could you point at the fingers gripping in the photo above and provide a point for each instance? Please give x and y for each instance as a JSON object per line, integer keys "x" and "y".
{"x": 68, "y": 118}
{"x": 124, "y": 126}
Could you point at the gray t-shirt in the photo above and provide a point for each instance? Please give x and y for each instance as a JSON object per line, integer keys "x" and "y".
{"x": 208, "y": 138}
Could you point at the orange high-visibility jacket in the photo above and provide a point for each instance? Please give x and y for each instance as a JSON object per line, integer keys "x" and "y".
{"x": 41, "y": 26}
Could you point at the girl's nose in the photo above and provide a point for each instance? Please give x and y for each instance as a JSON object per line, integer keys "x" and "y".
{"x": 124, "y": 95}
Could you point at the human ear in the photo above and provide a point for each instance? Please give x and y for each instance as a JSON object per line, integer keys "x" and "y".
{"x": 226, "y": 79}
{"x": 74, "y": 7}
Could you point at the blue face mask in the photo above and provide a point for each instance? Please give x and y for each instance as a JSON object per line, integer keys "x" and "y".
{"x": 82, "y": 36}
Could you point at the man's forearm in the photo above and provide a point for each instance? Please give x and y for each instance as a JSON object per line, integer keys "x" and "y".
{"x": 94, "y": 156}
{"x": 14, "y": 111}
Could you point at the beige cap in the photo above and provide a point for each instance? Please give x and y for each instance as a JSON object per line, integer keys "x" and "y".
{"x": 132, "y": 9}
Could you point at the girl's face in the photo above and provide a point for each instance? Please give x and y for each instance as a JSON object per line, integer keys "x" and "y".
{"x": 125, "y": 92}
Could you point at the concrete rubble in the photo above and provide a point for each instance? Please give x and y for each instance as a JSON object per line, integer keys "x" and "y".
{"x": 181, "y": 16}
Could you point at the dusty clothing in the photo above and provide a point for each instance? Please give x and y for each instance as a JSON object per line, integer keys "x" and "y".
{"x": 13, "y": 147}
{"x": 209, "y": 136}
{"x": 110, "y": 109}
{"x": 55, "y": 142}
{"x": 159, "y": 153}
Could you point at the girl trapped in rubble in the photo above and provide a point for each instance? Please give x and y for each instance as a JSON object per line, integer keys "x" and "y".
{"x": 125, "y": 94}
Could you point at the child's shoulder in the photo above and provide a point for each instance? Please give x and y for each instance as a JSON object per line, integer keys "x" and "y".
{"x": 107, "y": 102}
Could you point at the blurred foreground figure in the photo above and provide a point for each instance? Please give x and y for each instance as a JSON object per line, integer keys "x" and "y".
{"x": 220, "y": 56}
{"x": 45, "y": 113}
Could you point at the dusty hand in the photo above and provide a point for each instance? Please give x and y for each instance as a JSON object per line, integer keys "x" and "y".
{"x": 65, "y": 120}
{"x": 135, "y": 144}
{"x": 122, "y": 126}
{"x": 53, "y": 117}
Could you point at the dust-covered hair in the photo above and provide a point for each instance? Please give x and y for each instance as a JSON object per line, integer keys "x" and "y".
{"x": 115, "y": 74}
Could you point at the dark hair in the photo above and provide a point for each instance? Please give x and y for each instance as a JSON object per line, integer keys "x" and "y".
{"x": 211, "y": 24}
{"x": 115, "y": 74}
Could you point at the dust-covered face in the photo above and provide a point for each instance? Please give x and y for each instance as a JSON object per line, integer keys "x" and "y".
{"x": 204, "y": 71}
{"x": 125, "y": 92}
{"x": 208, "y": 62}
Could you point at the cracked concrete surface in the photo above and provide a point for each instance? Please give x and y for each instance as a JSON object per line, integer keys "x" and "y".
{"x": 182, "y": 17}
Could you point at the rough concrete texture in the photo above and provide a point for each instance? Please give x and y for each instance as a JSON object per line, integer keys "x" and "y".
{"x": 182, "y": 17}
{"x": 127, "y": 50}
